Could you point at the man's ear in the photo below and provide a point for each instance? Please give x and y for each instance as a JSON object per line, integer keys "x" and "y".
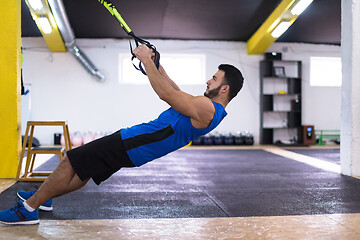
{"x": 225, "y": 88}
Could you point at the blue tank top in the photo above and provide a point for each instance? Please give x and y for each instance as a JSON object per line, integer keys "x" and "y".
{"x": 169, "y": 132}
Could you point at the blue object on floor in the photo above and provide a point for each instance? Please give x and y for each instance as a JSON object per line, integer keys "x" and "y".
{"x": 23, "y": 195}
{"x": 18, "y": 215}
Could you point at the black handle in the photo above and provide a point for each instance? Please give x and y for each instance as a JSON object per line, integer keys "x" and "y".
{"x": 149, "y": 45}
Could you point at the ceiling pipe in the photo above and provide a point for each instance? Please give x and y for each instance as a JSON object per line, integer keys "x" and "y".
{"x": 84, "y": 60}
{"x": 59, "y": 13}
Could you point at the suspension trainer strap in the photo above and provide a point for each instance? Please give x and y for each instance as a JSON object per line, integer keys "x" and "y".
{"x": 111, "y": 8}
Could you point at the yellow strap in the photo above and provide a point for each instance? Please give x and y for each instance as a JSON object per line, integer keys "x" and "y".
{"x": 121, "y": 20}
{"x": 116, "y": 14}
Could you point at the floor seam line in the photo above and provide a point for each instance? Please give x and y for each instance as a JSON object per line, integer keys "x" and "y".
{"x": 217, "y": 204}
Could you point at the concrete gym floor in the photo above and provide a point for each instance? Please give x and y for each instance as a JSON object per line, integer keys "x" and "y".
{"x": 207, "y": 193}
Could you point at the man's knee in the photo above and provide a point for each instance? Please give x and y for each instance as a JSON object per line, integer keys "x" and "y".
{"x": 66, "y": 165}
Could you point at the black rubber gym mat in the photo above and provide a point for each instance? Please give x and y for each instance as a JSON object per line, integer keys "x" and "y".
{"x": 331, "y": 155}
{"x": 207, "y": 183}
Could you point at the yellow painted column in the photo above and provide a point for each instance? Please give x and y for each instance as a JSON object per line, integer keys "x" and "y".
{"x": 10, "y": 81}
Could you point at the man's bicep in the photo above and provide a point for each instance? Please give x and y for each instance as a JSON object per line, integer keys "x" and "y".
{"x": 181, "y": 102}
{"x": 188, "y": 105}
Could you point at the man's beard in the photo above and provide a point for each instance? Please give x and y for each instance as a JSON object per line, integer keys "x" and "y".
{"x": 212, "y": 93}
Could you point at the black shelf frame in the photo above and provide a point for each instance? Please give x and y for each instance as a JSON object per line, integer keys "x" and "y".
{"x": 294, "y": 88}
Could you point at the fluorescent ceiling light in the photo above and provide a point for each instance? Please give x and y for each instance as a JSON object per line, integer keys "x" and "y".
{"x": 300, "y": 7}
{"x": 45, "y": 25}
{"x": 280, "y": 29}
{"x": 36, "y": 4}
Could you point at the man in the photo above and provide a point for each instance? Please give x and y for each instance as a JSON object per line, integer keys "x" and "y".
{"x": 188, "y": 118}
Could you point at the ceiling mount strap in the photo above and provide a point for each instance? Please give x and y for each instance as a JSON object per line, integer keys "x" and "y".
{"x": 111, "y": 8}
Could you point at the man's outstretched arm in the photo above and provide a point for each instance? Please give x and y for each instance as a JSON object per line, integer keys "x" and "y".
{"x": 164, "y": 74}
{"x": 199, "y": 109}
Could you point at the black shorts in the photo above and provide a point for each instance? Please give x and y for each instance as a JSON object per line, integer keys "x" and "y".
{"x": 100, "y": 158}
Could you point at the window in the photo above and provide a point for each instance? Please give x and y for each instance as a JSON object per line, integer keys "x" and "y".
{"x": 325, "y": 71}
{"x": 183, "y": 69}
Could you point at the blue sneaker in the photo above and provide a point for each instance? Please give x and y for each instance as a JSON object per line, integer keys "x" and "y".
{"x": 18, "y": 215}
{"x": 47, "y": 206}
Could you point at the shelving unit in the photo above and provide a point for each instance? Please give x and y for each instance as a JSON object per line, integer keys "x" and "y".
{"x": 280, "y": 102}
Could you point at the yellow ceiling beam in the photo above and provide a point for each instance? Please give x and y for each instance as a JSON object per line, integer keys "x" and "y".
{"x": 53, "y": 38}
{"x": 262, "y": 38}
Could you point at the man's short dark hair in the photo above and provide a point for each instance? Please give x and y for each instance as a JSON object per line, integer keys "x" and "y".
{"x": 233, "y": 78}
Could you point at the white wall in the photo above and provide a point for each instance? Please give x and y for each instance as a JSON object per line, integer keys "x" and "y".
{"x": 62, "y": 90}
